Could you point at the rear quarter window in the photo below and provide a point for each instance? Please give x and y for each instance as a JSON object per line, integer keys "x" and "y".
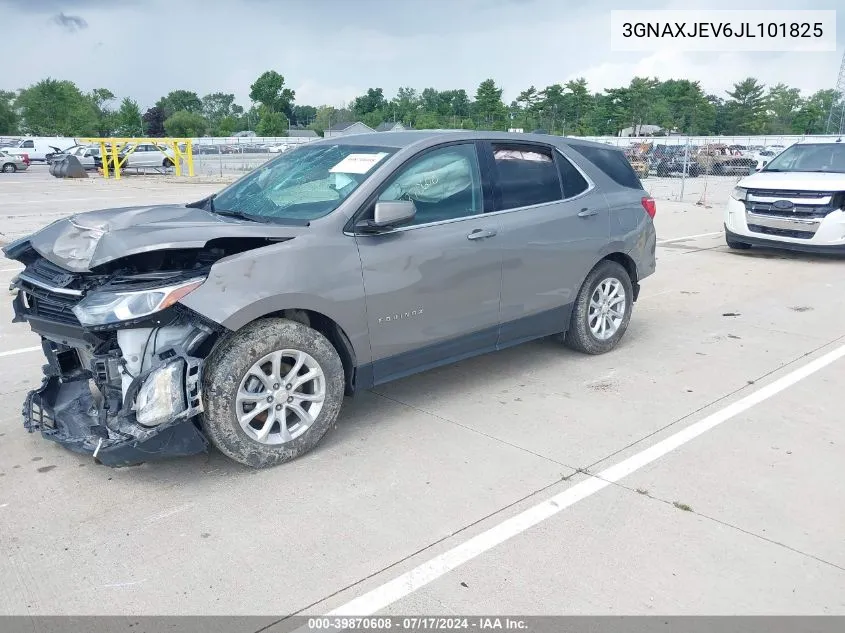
{"x": 613, "y": 163}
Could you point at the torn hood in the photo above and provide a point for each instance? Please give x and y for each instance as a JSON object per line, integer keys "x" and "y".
{"x": 87, "y": 240}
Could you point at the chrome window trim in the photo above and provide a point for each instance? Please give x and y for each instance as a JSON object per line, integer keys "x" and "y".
{"x": 590, "y": 187}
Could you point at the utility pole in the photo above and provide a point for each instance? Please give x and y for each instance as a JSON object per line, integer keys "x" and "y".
{"x": 836, "y": 116}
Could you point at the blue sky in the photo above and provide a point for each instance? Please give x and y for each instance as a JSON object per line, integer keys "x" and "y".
{"x": 332, "y": 50}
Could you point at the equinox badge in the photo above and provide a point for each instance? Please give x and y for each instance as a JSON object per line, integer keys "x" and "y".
{"x": 400, "y": 315}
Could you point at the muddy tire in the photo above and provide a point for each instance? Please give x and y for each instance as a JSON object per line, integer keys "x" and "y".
{"x": 607, "y": 284}
{"x": 266, "y": 365}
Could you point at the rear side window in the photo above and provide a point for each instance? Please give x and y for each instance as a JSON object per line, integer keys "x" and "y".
{"x": 613, "y": 163}
{"x": 527, "y": 175}
{"x": 573, "y": 182}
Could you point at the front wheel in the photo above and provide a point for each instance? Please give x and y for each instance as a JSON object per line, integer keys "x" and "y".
{"x": 272, "y": 391}
{"x": 602, "y": 309}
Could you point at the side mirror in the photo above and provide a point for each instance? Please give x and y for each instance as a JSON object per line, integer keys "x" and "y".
{"x": 389, "y": 214}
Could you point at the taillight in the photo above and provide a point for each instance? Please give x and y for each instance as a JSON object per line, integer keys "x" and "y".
{"x": 649, "y": 205}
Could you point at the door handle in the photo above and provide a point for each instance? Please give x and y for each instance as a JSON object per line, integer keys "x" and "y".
{"x": 585, "y": 213}
{"x": 480, "y": 234}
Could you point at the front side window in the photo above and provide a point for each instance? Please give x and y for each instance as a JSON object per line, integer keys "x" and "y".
{"x": 302, "y": 184}
{"x": 443, "y": 184}
{"x": 28, "y": 144}
{"x": 527, "y": 175}
{"x": 810, "y": 157}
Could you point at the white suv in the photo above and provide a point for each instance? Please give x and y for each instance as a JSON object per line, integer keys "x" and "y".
{"x": 797, "y": 201}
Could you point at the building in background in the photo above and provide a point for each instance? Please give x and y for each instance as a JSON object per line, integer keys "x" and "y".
{"x": 390, "y": 126}
{"x": 346, "y": 128}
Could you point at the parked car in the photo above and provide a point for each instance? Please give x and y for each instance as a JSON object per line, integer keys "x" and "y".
{"x": 718, "y": 160}
{"x": 278, "y": 149}
{"x": 671, "y": 160}
{"x": 169, "y": 326}
{"x": 38, "y": 148}
{"x": 796, "y": 202}
{"x": 763, "y": 156}
{"x": 10, "y": 163}
{"x": 147, "y": 155}
{"x": 88, "y": 155}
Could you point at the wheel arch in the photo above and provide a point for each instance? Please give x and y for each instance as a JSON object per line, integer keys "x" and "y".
{"x": 630, "y": 266}
{"x": 329, "y": 328}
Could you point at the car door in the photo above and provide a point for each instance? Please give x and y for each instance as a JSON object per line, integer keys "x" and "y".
{"x": 433, "y": 286}
{"x": 552, "y": 227}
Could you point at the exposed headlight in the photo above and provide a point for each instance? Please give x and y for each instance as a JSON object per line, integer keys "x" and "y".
{"x": 739, "y": 193}
{"x": 104, "y": 308}
{"x": 162, "y": 396}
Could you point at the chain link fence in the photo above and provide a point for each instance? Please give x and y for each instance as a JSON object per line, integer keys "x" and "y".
{"x": 238, "y": 155}
{"x": 698, "y": 169}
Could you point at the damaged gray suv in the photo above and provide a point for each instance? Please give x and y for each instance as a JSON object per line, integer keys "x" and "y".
{"x": 245, "y": 318}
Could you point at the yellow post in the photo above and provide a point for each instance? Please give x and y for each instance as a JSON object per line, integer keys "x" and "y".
{"x": 115, "y": 158}
{"x": 177, "y": 157}
{"x": 104, "y": 158}
{"x": 190, "y": 160}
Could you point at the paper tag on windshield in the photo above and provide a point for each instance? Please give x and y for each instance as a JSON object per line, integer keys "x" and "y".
{"x": 357, "y": 163}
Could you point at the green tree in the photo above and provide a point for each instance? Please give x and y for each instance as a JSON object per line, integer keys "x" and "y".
{"x": 227, "y": 126}
{"x": 783, "y": 104}
{"x": 271, "y": 123}
{"x": 489, "y": 111}
{"x": 324, "y": 118}
{"x": 811, "y": 118}
{"x": 372, "y": 101}
{"x": 687, "y": 109}
{"x": 185, "y": 124}
{"x": 303, "y": 114}
{"x": 404, "y": 106}
{"x": 551, "y": 108}
{"x": 8, "y": 117}
{"x": 154, "y": 122}
{"x": 746, "y": 108}
{"x": 578, "y": 105}
{"x": 269, "y": 90}
{"x": 100, "y": 98}
{"x": 128, "y": 119}
{"x": 56, "y": 108}
{"x": 180, "y": 101}
{"x": 217, "y": 106}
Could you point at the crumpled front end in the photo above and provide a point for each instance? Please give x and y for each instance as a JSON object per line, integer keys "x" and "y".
{"x": 124, "y": 393}
{"x": 91, "y": 416}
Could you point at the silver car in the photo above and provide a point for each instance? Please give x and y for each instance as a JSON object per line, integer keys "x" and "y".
{"x": 245, "y": 318}
{"x": 10, "y": 163}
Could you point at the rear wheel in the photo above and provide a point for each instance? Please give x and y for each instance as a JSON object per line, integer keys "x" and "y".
{"x": 602, "y": 309}
{"x": 10, "y": 168}
{"x": 167, "y": 163}
{"x": 271, "y": 391}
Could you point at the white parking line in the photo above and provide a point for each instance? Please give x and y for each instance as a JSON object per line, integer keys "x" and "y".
{"x": 22, "y": 350}
{"x": 409, "y": 582}
{"x": 687, "y": 237}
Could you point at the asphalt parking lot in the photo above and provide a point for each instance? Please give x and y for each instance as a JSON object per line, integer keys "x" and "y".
{"x": 697, "y": 469}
